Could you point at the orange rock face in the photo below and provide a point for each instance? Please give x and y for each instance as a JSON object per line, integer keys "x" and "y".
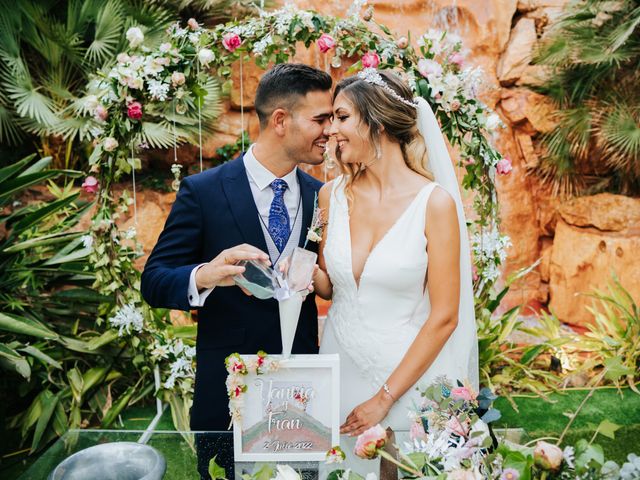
{"x": 595, "y": 238}
{"x": 500, "y": 36}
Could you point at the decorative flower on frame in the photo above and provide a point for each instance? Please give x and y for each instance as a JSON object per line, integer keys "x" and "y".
{"x": 335, "y": 455}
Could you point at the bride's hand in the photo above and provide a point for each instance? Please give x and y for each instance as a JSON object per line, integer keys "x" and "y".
{"x": 366, "y": 415}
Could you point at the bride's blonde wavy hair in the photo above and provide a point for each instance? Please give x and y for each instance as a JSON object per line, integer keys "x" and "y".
{"x": 377, "y": 109}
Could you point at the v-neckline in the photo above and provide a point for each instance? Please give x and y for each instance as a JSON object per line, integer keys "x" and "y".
{"x": 358, "y": 282}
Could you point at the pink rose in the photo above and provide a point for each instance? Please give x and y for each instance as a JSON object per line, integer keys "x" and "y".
{"x": 370, "y": 441}
{"x": 101, "y": 113}
{"x": 504, "y": 166}
{"x": 417, "y": 431}
{"x": 231, "y": 41}
{"x": 428, "y": 67}
{"x": 90, "y": 184}
{"x": 193, "y": 24}
{"x": 475, "y": 274}
{"x": 370, "y": 60}
{"x": 462, "y": 393}
{"x": 134, "y": 110}
{"x": 456, "y": 58}
{"x": 547, "y": 456}
{"x": 402, "y": 43}
{"x": 325, "y": 43}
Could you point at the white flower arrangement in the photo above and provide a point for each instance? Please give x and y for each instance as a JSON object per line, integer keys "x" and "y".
{"x": 127, "y": 319}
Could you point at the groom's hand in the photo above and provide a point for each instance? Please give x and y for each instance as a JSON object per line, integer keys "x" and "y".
{"x": 220, "y": 271}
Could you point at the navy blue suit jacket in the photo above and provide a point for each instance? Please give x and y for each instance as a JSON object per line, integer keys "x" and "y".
{"x": 214, "y": 210}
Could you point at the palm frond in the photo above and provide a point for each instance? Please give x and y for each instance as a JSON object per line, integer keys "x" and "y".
{"x": 29, "y": 102}
{"x": 10, "y": 131}
{"x": 108, "y": 32}
{"x": 160, "y": 135}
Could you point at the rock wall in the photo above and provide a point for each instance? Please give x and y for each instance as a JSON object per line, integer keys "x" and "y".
{"x": 500, "y": 36}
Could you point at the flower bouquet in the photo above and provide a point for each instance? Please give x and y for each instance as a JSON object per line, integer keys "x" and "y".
{"x": 451, "y": 439}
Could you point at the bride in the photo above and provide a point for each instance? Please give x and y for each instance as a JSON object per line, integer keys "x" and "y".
{"x": 394, "y": 257}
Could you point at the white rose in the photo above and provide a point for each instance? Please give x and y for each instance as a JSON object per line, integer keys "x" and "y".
{"x": 205, "y": 56}
{"x": 177, "y": 78}
{"x": 165, "y": 47}
{"x": 285, "y": 472}
{"x": 109, "y": 144}
{"x": 493, "y": 122}
{"x": 123, "y": 58}
{"x": 135, "y": 37}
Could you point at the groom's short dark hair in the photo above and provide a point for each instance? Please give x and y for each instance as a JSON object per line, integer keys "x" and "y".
{"x": 284, "y": 84}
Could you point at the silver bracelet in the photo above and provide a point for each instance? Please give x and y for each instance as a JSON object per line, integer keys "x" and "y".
{"x": 385, "y": 387}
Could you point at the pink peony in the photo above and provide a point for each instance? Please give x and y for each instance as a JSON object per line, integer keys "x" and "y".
{"x": 547, "y": 456}
{"x": 134, "y": 110}
{"x": 325, "y": 43}
{"x": 370, "y": 441}
{"x": 231, "y": 41}
{"x": 504, "y": 166}
{"x": 370, "y": 60}
{"x": 417, "y": 431}
{"x": 90, "y": 184}
{"x": 463, "y": 393}
{"x": 456, "y": 58}
{"x": 193, "y": 24}
{"x": 428, "y": 67}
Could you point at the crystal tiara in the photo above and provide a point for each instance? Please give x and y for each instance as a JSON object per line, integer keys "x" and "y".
{"x": 371, "y": 75}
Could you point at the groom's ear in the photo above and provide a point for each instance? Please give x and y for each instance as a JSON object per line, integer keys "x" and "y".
{"x": 278, "y": 121}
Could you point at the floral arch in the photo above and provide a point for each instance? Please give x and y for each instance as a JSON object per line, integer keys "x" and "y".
{"x": 161, "y": 97}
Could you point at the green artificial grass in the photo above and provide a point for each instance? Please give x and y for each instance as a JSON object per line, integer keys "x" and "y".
{"x": 540, "y": 418}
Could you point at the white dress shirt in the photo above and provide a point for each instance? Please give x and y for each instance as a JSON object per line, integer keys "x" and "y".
{"x": 260, "y": 179}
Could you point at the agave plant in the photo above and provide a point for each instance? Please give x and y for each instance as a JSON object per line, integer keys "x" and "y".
{"x": 593, "y": 55}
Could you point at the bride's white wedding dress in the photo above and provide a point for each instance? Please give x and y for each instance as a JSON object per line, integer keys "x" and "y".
{"x": 372, "y": 325}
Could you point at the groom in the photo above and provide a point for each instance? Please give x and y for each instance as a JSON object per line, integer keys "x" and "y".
{"x": 258, "y": 206}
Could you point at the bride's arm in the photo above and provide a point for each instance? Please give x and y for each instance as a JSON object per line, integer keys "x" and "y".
{"x": 321, "y": 281}
{"x": 443, "y": 283}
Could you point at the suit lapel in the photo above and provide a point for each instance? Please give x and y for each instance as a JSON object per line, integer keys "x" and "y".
{"x": 242, "y": 205}
{"x": 308, "y": 194}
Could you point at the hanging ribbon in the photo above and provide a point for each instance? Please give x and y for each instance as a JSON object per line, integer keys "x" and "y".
{"x": 199, "y": 117}
{"x": 133, "y": 176}
{"x": 241, "y": 105}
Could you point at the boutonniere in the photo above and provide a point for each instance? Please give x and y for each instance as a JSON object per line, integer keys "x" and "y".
{"x": 318, "y": 222}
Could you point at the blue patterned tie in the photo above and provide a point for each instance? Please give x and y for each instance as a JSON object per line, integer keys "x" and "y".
{"x": 278, "y": 216}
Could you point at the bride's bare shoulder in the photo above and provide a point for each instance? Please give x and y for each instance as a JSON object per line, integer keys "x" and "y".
{"x": 441, "y": 203}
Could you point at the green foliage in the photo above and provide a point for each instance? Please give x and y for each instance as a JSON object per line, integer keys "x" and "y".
{"x": 49, "y": 49}
{"x": 229, "y": 151}
{"x": 613, "y": 340}
{"x": 593, "y": 55}
{"x": 71, "y": 372}
{"x": 507, "y": 366}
